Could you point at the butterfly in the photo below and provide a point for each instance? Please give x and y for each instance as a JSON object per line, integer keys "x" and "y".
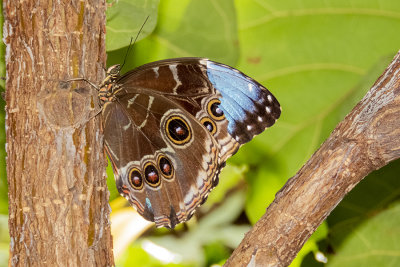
{"x": 169, "y": 127}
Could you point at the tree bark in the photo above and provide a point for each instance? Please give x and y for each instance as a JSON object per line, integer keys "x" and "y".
{"x": 58, "y": 196}
{"x": 367, "y": 139}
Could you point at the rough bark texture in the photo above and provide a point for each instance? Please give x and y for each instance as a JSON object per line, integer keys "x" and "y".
{"x": 366, "y": 140}
{"x": 58, "y": 197}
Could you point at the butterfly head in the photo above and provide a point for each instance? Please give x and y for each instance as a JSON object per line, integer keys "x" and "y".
{"x": 113, "y": 72}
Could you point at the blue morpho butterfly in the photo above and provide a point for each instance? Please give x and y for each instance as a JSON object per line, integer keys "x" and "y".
{"x": 169, "y": 126}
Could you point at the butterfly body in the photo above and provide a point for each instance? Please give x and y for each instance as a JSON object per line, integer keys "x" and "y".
{"x": 169, "y": 126}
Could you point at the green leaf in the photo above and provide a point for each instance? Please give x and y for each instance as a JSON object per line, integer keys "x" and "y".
{"x": 216, "y": 253}
{"x": 263, "y": 185}
{"x": 186, "y": 28}
{"x": 230, "y": 177}
{"x": 112, "y": 187}
{"x": 312, "y": 55}
{"x": 375, "y": 242}
{"x": 124, "y": 19}
{"x": 368, "y": 215}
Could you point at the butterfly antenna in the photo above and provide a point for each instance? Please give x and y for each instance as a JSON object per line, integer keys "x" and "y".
{"x": 130, "y": 43}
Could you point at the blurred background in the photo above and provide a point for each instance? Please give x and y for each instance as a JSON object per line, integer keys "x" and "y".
{"x": 318, "y": 58}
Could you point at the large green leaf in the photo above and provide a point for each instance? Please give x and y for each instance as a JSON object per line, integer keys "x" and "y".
{"x": 312, "y": 55}
{"x": 364, "y": 228}
{"x": 201, "y": 28}
{"x": 373, "y": 243}
{"x": 124, "y": 19}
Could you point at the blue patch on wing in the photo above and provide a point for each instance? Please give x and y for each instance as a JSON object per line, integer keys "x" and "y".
{"x": 148, "y": 204}
{"x": 239, "y": 93}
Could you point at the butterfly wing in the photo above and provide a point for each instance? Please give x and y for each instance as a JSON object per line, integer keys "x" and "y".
{"x": 160, "y": 166}
{"x": 196, "y": 83}
{"x": 219, "y": 106}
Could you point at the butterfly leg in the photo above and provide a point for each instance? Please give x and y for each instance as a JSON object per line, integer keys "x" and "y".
{"x": 83, "y": 79}
{"x": 97, "y": 112}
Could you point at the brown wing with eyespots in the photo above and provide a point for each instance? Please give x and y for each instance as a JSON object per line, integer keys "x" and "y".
{"x": 216, "y": 106}
{"x": 164, "y": 159}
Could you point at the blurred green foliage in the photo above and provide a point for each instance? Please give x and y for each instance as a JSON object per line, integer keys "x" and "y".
{"x": 318, "y": 58}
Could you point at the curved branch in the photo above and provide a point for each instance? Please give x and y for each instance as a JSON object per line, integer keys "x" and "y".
{"x": 367, "y": 139}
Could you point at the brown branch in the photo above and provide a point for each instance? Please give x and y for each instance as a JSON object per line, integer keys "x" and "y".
{"x": 58, "y": 196}
{"x": 366, "y": 140}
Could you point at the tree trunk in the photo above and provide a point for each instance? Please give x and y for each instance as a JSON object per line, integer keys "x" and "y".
{"x": 58, "y": 196}
{"x": 366, "y": 140}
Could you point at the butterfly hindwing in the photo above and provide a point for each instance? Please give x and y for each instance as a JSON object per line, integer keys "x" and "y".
{"x": 165, "y": 159}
